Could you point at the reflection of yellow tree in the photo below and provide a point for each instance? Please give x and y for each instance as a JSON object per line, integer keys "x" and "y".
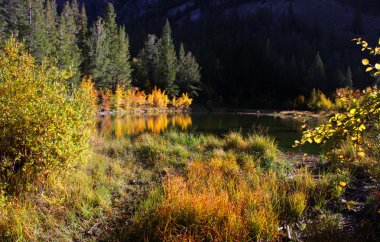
{"x": 136, "y": 124}
{"x": 158, "y": 123}
{"x": 119, "y": 127}
{"x": 105, "y": 125}
{"x": 182, "y": 120}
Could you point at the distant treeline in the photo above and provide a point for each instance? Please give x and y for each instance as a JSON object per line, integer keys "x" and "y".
{"x": 263, "y": 59}
{"x": 100, "y": 49}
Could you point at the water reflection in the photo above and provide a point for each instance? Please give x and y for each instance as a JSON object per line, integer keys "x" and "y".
{"x": 121, "y": 125}
{"x": 285, "y": 131}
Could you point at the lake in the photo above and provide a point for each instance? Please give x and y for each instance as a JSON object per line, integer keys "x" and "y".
{"x": 285, "y": 131}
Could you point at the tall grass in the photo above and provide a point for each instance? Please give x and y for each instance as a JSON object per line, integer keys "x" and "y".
{"x": 227, "y": 194}
{"x": 68, "y": 205}
{"x": 170, "y": 187}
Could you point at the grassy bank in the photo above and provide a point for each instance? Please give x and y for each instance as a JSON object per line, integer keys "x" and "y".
{"x": 174, "y": 186}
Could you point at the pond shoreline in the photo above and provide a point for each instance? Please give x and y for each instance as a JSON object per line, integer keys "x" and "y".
{"x": 284, "y": 114}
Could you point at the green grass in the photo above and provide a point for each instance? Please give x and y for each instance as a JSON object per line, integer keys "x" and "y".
{"x": 171, "y": 187}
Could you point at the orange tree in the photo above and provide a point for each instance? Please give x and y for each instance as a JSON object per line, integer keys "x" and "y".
{"x": 43, "y": 126}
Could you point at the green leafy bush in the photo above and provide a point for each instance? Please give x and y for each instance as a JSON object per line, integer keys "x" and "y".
{"x": 43, "y": 127}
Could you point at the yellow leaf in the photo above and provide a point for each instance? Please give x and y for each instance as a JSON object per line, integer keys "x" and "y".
{"x": 377, "y": 66}
{"x": 342, "y": 184}
{"x": 353, "y": 111}
{"x": 365, "y": 62}
{"x": 318, "y": 139}
{"x": 361, "y": 154}
{"x": 369, "y": 69}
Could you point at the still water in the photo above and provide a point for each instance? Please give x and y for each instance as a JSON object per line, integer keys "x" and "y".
{"x": 285, "y": 131}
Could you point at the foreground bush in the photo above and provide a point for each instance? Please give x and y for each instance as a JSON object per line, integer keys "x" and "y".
{"x": 43, "y": 126}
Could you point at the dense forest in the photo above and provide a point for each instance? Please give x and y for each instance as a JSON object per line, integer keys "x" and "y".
{"x": 100, "y": 50}
{"x": 275, "y": 55}
{"x": 271, "y": 57}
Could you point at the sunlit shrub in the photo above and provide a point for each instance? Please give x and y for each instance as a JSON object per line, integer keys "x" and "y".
{"x": 106, "y": 95}
{"x": 119, "y": 98}
{"x": 138, "y": 98}
{"x": 158, "y": 99}
{"x": 43, "y": 127}
{"x": 324, "y": 103}
{"x": 183, "y": 102}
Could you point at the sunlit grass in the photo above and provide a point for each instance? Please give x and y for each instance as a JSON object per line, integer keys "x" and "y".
{"x": 221, "y": 199}
{"x": 67, "y": 205}
{"x": 171, "y": 187}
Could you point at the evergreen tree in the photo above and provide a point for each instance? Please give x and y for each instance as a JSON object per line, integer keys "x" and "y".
{"x": 24, "y": 14}
{"x": 188, "y": 74}
{"x": 122, "y": 58}
{"x": 75, "y": 11}
{"x": 69, "y": 53}
{"x": 349, "y": 82}
{"x": 317, "y": 72}
{"x": 167, "y": 62}
{"x": 38, "y": 38}
{"x": 9, "y": 9}
{"x": 3, "y": 23}
{"x": 110, "y": 21}
{"x": 83, "y": 40}
{"x": 51, "y": 19}
{"x": 99, "y": 53}
{"x": 145, "y": 66}
{"x": 340, "y": 77}
{"x": 112, "y": 45}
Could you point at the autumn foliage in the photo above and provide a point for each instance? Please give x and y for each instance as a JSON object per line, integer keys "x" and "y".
{"x": 133, "y": 99}
{"x": 44, "y": 127}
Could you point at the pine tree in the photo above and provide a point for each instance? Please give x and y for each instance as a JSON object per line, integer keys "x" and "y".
{"x": 51, "y": 18}
{"x": 122, "y": 58}
{"x": 75, "y": 11}
{"x": 83, "y": 40}
{"x": 38, "y": 38}
{"x": 167, "y": 62}
{"x": 317, "y": 72}
{"x": 340, "y": 77}
{"x": 146, "y": 64}
{"x": 188, "y": 74}
{"x": 69, "y": 53}
{"x": 110, "y": 52}
{"x": 349, "y": 82}
{"x": 110, "y": 21}
{"x": 16, "y": 15}
{"x": 10, "y": 8}
{"x": 3, "y": 23}
{"x": 99, "y": 53}
{"x": 24, "y": 15}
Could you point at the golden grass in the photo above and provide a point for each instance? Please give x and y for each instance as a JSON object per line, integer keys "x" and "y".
{"x": 67, "y": 205}
{"x": 218, "y": 200}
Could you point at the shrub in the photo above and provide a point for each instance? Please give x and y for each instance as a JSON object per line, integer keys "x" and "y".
{"x": 183, "y": 102}
{"x": 158, "y": 99}
{"x": 43, "y": 127}
{"x": 324, "y": 103}
{"x": 106, "y": 99}
{"x": 119, "y": 102}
